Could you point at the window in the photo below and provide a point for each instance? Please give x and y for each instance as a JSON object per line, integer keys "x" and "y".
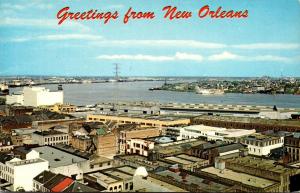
{"x": 131, "y": 186}
{"x": 120, "y": 187}
{"x": 126, "y": 186}
{"x": 108, "y": 163}
{"x": 110, "y": 189}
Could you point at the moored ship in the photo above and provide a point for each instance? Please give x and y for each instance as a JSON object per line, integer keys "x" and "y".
{"x": 4, "y": 90}
{"x": 203, "y": 91}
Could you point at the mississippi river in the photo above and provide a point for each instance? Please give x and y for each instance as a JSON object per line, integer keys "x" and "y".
{"x": 84, "y": 94}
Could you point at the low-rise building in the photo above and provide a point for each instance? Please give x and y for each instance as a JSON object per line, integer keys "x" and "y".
{"x": 209, "y": 132}
{"x": 62, "y": 162}
{"x": 15, "y": 98}
{"x": 144, "y": 120}
{"x": 142, "y": 182}
{"x": 272, "y": 176}
{"x": 187, "y": 162}
{"x": 292, "y": 143}
{"x": 210, "y": 150}
{"x": 20, "y": 173}
{"x": 106, "y": 143}
{"x": 60, "y": 108}
{"x": 134, "y": 133}
{"x": 50, "y": 182}
{"x": 139, "y": 146}
{"x": 22, "y": 136}
{"x": 50, "y": 137}
{"x": 113, "y": 179}
{"x": 261, "y": 145}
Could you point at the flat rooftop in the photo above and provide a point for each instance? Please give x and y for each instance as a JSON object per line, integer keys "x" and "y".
{"x": 178, "y": 146}
{"x": 113, "y": 175}
{"x": 260, "y": 137}
{"x": 143, "y": 161}
{"x": 204, "y": 128}
{"x": 26, "y": 162}
{"x": 193, "y": 180}
{"x": 104, "y": 178}
{"x": 190, "y": 158}
{"x": 56, "y": 157}
{"x": 160, "y": 139}
{"x": 152, "y": 180}
{"x": 240, "y": 177}
{"x": 256, "y": 162}
{"x": 249, "y": 120}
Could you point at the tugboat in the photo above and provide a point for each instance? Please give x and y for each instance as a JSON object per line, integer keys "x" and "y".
{"x": 59, "y": 87}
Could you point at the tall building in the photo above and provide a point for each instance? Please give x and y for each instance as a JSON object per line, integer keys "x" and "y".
{"x": 38, "y": 96}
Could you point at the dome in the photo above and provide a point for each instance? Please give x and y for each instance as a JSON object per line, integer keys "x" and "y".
{"x": 141, "y": 171}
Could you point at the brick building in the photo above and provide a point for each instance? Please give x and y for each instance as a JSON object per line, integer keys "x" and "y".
{"x": 292, "y": 143}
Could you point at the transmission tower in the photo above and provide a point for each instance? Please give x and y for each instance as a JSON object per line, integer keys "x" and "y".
{"x": 116, "y": 72}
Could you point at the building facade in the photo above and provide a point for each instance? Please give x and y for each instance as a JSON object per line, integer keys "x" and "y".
{"x": 20, "y": 173}
{"x": 261, "y": 145}
{"x": 126, "y": 135}
{"x": 292, "y": 143}
{"x": 51, "y": 137}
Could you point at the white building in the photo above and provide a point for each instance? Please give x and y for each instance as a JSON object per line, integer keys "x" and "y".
{"x": 36, "y": 96}
{"x": 20, "y": 173}
{"x": 211, "y": 133}
{"x": 229, "y": 134}
{"x": 261, "y": 145}
{"x": 61, "y": 162}
{"x": 51, "y": 137}
{"x": 15, "y": 99}
{"x": 139, "y": 146}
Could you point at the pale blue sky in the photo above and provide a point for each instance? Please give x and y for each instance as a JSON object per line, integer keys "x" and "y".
{"x": 266, "y": 43}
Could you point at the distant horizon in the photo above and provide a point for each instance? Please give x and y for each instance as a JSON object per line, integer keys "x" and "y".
{"x": 141, "y": 76}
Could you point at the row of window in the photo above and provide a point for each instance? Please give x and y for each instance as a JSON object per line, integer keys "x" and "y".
{"x": 54, "y": 143}
{"x": 6, "y": 169}
{"x": 254, "y": 150}
{"x": 48, "y": 139}
{"x": 262, "y": 144}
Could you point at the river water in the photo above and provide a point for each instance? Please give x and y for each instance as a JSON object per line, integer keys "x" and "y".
{"x": 83, "y": 94}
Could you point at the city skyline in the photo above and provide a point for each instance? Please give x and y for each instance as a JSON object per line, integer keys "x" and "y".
{"x": 264, "y": 44}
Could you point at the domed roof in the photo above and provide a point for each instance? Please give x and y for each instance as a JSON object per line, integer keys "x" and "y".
{"x": 141, "y": 171}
